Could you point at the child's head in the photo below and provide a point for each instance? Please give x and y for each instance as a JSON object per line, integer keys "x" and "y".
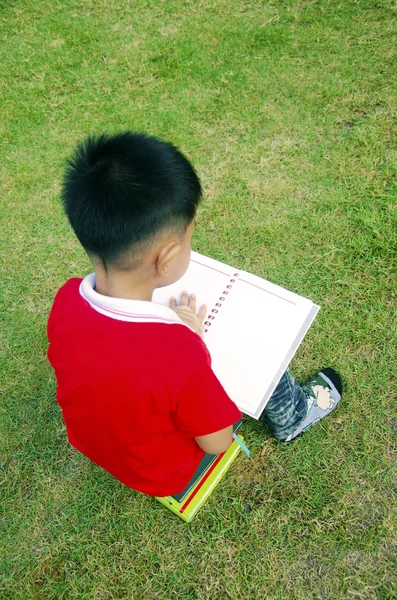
{"x": 122, "y": 192}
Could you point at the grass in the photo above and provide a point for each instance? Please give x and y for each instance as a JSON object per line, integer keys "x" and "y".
{"x": 287, "y": 110}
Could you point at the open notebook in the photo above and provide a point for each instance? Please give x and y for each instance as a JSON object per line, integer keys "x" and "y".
{"x": 252, "y": 328}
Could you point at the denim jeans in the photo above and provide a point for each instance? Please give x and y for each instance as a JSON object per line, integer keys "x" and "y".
{"x": 286, "y": 408}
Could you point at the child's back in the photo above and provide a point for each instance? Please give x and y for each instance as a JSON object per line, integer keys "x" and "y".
{"x": 135, "y": 384}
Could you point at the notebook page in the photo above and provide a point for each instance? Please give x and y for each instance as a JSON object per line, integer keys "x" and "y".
{"x": 252, "y": 337}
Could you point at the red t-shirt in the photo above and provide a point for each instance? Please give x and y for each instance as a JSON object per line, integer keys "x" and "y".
{"x": 135, "y": 386}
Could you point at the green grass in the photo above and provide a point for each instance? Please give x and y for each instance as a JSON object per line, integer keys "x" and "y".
{"x": 288, "y": 111}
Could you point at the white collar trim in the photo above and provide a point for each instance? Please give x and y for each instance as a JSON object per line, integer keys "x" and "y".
{"x": 133, "y": 311}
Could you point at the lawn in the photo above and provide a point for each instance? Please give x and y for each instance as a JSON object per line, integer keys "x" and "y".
{"x": 288, "y": 111}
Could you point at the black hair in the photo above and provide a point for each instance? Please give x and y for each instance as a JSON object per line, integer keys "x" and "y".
{"x": 121, "y": 190}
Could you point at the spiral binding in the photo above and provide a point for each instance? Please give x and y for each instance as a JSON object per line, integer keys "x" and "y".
{"x": 212, "y": 316}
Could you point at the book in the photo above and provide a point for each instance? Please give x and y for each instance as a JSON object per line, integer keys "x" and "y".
{"x": 204, "y": 465}
{"x": 196, "y": 496}
{"x": 252, "y": 327}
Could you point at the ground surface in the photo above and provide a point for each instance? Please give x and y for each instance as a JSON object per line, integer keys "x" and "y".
{"x": 287, "y": 110}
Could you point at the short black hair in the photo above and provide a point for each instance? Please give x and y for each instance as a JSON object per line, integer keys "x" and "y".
{"x": 121, "y": 190}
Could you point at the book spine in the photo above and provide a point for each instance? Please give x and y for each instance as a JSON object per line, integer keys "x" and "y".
{"x": 221, "y": 300}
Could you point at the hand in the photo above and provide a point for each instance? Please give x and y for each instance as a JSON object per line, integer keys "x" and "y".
{"x": 186, "y": 310}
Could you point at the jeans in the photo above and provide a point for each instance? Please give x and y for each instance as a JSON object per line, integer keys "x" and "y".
{"x": 286, "y": 408}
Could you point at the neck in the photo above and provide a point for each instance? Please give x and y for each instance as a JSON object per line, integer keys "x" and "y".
{"x": 131, "y": 286}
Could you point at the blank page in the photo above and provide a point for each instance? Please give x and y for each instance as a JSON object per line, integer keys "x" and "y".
{"x": 252, "y": 336}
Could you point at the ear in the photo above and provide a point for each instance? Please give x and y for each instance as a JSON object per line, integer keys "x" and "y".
{"x": 166, "y": 256}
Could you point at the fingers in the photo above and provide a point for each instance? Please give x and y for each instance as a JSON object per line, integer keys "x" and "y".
{"x": 189, "y": 301}
{"x": 192, "y": 302}
{"x": 202, "y": 313}
{"x": 184, "y": 301}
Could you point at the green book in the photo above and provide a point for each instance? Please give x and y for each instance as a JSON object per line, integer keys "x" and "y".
{"x": 205, "y": 464}
{"x": 194, "y": 498}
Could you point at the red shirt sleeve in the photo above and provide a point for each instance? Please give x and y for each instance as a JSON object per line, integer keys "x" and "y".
{"x": 203, "y": 407}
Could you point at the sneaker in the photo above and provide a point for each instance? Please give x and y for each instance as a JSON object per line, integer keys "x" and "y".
{"x": 323, "y": 392}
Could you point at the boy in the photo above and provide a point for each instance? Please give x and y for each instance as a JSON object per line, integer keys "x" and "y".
{"x": 135, "y": 383}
